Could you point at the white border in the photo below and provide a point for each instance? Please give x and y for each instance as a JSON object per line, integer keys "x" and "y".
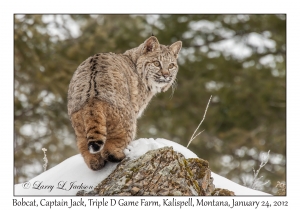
{"x": 154, "y": 6}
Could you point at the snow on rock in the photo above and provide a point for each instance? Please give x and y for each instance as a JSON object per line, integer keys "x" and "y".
{"x": 73, "y": 175}
{"x": 139, "y": 147}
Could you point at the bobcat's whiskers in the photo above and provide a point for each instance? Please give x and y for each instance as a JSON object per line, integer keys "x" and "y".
{"x": 174, "y": 85}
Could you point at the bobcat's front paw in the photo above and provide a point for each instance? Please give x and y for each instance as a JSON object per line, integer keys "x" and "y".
{"x": 95, "y": 146}
{"x": 113, "y": 156}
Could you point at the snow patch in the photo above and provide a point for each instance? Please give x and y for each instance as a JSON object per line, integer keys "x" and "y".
{"x": 72, "y": 175}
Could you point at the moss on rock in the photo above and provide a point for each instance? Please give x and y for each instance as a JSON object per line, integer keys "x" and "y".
{"x": 158, "y": 172}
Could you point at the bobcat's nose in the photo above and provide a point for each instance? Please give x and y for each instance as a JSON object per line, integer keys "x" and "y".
{"x": 165, "y": 73}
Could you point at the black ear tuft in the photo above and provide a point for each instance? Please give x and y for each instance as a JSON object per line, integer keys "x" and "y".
{"x": 150, "y": 45}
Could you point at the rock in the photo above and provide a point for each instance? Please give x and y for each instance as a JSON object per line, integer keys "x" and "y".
{"x": 162, "y": 172}
{"x": 222, "y": 192}
{"x": 84, "y": 193}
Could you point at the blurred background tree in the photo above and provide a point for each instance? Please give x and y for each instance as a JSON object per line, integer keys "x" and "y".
{"x": 238, "y": 59}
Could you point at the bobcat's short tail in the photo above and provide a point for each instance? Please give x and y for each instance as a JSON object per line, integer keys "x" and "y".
{"x": 90, "y": 127}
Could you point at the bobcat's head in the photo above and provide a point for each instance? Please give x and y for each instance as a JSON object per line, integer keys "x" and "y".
{"x": 157, "y": 64}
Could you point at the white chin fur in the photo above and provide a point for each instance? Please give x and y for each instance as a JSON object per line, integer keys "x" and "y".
{"x": 161, "y": 84}
{"x": 156, "y": 89}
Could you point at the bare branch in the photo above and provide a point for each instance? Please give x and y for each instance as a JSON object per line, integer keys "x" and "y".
{"x": 193, "y": 136}
{"x": 197, "y": 135}
{"x": 45, "y": 159}
{"x": 255, "y": 180}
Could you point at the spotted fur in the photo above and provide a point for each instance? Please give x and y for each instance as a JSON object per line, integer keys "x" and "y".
{"x": 108, "y": 92}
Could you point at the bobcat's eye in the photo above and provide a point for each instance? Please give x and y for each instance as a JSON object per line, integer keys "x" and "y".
{"x": 156, "y": 63}
{"x": 171, "y": 65}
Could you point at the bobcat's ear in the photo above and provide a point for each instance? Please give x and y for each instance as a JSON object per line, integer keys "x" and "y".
{"x": 150, "y": 45}
{"x": 176, "y": 47}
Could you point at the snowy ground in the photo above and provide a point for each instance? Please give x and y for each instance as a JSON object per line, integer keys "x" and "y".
{"x": 67, "y": 177}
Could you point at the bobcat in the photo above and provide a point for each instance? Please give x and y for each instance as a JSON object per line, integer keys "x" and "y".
{"x": 108, "y": 92}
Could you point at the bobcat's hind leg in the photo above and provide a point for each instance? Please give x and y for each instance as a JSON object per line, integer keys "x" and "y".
{"x": 90, "y": 130}
{"x": 113, "y": 150}
{"x": 120, "y": 131}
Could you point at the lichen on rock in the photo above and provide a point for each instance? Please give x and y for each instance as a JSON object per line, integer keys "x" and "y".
{"x": 158, "y": 172}
{"x": 222, "y": 192}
